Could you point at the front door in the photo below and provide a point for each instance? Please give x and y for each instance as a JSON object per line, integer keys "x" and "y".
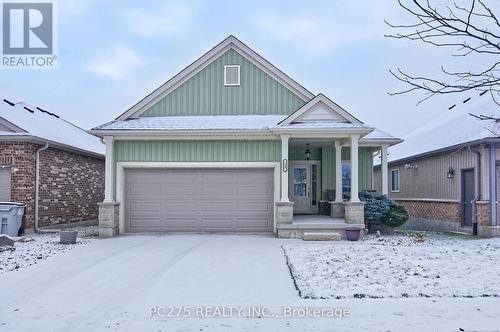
{"x": 468, "y": 189}
{"x": 303, "y": 187}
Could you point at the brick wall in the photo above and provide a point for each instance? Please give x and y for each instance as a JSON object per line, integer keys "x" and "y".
{"x": 71, "y": 184}
{"x": 21, "y": 157}
{"x": 433, "y": 210}
{"x": 483, "y": 213}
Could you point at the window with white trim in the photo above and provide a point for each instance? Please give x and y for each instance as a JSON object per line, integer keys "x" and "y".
{"x": 232, "y": 75}
{"x": 395, "y": 184}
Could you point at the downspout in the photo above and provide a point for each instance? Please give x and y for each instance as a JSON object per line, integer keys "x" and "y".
{"x": 37, "y": 184}
{"x": 493, "y": 194}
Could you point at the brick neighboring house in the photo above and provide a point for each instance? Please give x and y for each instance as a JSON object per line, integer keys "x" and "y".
{"x": 71, "y": 166}
{"x": 446, "y": 172}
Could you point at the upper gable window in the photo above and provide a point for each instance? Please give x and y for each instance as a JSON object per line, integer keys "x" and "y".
{"x": 232, "y": 75}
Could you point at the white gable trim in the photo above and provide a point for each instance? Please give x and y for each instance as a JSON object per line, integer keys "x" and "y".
{"x": 323, "y": 99}
{"x": 230, "y": 42}
{"x": 11, "y": 126}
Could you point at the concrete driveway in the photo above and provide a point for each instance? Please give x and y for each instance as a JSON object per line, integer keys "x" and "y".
{"x": 112, "y": 285}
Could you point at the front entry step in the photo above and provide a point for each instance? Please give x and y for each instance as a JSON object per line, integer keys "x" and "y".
{"x": 331, "y": 236}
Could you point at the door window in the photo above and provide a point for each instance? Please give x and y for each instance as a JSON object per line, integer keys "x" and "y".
{"x": 300, "y": 182}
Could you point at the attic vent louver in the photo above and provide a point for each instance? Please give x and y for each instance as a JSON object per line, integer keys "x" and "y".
{"x": 232, "y": 75}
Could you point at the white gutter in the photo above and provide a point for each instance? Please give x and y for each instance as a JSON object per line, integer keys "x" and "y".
{"x": 37, "y": 184}
{"x": 242, "y": 132}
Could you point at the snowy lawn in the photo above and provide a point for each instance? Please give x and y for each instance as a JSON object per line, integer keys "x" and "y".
{"x": 409, "y": 264}
{"x": 42, "y": 247}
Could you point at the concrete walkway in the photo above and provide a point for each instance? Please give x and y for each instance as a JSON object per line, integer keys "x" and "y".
{"x": 112, "y": 285}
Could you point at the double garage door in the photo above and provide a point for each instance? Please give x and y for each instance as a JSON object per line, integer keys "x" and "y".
{"x": 199, "y": 200}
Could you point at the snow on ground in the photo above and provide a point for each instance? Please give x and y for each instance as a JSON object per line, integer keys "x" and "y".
{"x": 111, "y": 285}
{"x": 409, "y": 264}
{"x": 42, "y": 247}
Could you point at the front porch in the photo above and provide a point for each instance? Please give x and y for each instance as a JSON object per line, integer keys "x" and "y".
{"x": 320, "y": 183}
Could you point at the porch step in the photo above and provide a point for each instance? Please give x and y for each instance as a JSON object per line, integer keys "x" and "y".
{"x": 331, "y": 236}
{"x": 318, "y": 226}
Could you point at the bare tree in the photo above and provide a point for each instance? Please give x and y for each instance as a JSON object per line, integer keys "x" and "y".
{"x": 469, "y": 30}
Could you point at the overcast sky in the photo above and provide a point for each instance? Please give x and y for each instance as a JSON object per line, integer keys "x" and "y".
{"x": 113, "y": 53}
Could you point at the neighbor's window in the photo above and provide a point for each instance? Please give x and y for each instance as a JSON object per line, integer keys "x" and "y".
{"x": 395, "y": 180}
{"x": 346, "y": 179}
{"x": 232, "y": 75}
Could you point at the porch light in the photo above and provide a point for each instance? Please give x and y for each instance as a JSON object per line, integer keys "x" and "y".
{"x": 308, "y": 152}
{"x": 451, "y": 173}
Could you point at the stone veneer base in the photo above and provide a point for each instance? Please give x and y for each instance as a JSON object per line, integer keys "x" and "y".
{"x": 109, "y": 218}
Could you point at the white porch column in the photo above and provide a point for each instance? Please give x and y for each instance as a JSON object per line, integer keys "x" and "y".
{"x": 384, "y": 170}
{"x": 354, "y": 168}
{"x": 338, "y": 172}
{"x": 284, "y": 167}
{"x": 108, "y": 175}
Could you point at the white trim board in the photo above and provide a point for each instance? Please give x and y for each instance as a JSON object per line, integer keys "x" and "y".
{"x": 320, "y": 98}
{"x": 14, "y": 128}
{"x": 120, "y": 178}
{"x": 230, "y": 42}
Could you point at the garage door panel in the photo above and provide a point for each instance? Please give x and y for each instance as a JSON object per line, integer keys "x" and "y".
{"x": 141, "y": 204}
{"x": 143, "y": 176}
{"x": 182, "y": 207}
{"x": 141, "y": 190}
{"x": 181, "y": 177}
{"x": 253, "y": 191}
{"x": 252, "y": 223}
{"x": 227, "y": 200}
{"x": 215, "y": 222}
{"x": 183, "y": 222}
{"x": 145, "y": 218}
{"x": 216, "y": 207}
{"x": 222, "y": 191}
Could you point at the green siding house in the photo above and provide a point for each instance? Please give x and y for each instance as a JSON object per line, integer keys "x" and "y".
{"x": 232, "y": 144}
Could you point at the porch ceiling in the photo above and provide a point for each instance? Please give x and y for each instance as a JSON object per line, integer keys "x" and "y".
{"x": 313, "y": 143}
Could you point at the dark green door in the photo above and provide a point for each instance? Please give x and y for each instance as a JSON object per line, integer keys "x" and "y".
{"x": 468, "y": 189}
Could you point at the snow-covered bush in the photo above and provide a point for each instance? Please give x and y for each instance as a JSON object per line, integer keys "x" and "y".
{"x": 397, "y": 217}
{"x": 381, "y": 209}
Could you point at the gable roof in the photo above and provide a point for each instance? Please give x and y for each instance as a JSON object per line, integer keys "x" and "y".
{"x": 230, "y": 42}
{"x": 451, "y": 129}
{"x": 339, "y": 114}
{"x": 25, "y": 121}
